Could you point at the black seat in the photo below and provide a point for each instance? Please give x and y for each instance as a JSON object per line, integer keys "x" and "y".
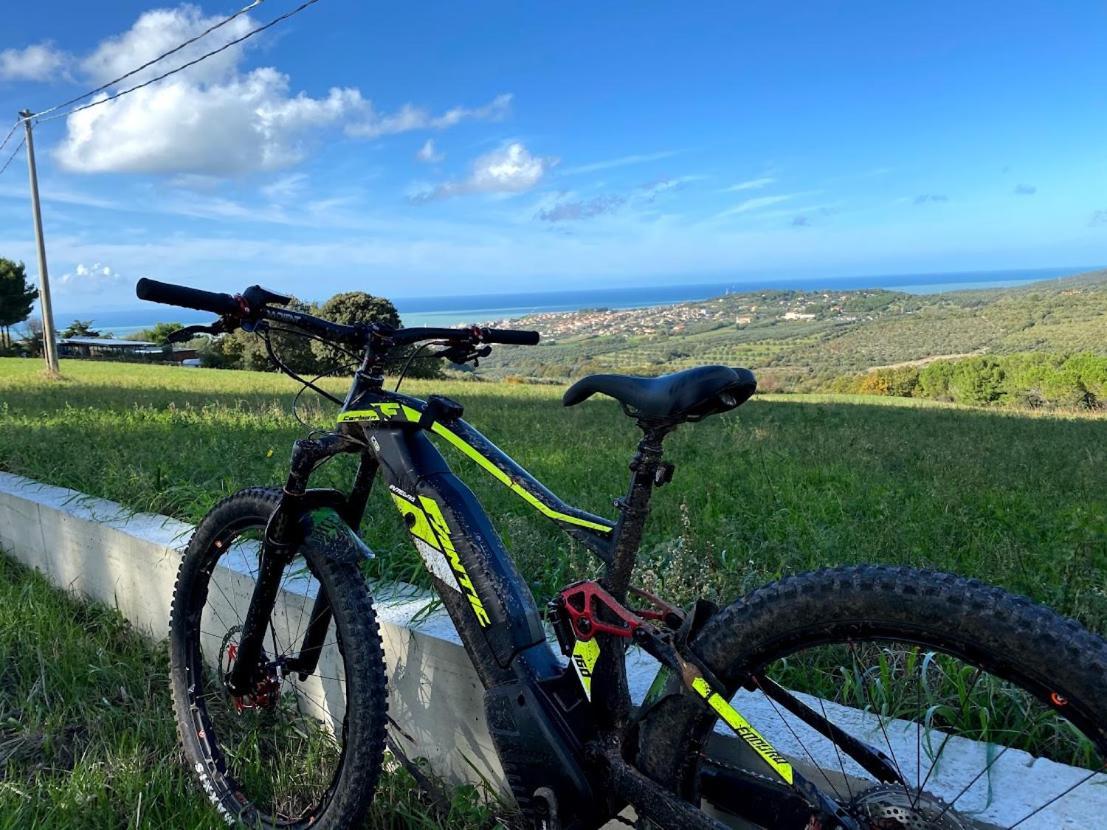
{"x": 682, "y": 396}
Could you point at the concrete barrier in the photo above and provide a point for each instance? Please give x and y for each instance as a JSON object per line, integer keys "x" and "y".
{"x": 127, "y": 560}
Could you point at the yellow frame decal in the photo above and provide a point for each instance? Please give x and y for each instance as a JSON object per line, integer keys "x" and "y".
{"x": 379, "y": 412}
{"x": 388, "y": 411}
{"x": 584, "y": 657}
{"x": 438, "y": 524}
{"x": 514, "y": 487}
{"x": 744, "y": 729}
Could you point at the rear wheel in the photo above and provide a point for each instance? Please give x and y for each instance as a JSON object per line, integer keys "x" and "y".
{"x": 989, "y": 709}
{"x": 297, "y": 751}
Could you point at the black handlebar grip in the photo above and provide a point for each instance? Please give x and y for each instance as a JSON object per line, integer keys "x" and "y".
{"x": 510, "y": 337}
{"x": 180, "y": 295}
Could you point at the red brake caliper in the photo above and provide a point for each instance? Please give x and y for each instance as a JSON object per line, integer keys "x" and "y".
{"x": 265, "y": 693}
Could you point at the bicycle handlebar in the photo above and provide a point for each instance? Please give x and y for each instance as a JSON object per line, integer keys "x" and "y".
{"x": 180, "y": 295}
{"x": 239, "y": 308}
{"x": 510, "y": 337}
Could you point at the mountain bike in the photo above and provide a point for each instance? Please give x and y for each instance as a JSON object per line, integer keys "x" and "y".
{"x": 864, "y": 698}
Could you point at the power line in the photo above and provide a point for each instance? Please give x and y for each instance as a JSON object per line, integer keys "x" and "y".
{"x": 149, "y": 63}
{"x": 203, "y": 57}
{"x": 15, "y": 152}
{"x": 7, "y": 138}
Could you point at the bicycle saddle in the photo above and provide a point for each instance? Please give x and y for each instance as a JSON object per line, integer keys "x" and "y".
{"x": 681, "y": 396}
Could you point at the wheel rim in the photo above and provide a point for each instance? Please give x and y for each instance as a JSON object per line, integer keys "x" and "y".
{"x": 960, "y": 732}
{"x": 279, "y": 752}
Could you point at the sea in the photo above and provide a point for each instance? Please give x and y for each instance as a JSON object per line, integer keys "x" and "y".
{"x": 476, "y": 308}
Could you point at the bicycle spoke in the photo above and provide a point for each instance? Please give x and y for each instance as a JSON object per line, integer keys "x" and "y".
{"x": 1058, "y": 797}
{"x": 883, "y": 729}
{"x": 837, "y": 752}
{"x": 945, "y": 740}
{"x": 803, "y": 746}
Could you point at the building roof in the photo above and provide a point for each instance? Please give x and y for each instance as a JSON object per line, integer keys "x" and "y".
{"x": 107, "y": 341}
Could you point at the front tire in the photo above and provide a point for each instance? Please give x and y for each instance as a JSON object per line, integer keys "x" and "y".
{"x": 922, "y": 656}
{"x": 304, "y": 752}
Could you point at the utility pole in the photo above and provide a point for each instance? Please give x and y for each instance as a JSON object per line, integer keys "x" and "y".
{"x": 49, "y": 342}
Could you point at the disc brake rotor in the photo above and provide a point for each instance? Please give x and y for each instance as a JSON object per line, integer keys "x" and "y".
{"x": 889, "y": 807}
{"x": 268, "y": 685}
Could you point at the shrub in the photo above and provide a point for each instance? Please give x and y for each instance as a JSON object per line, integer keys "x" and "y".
{"x": 934, "y": 380}
{"x": 977, "y": 381}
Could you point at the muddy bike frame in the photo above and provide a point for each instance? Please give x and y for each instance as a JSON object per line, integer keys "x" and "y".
{"x": 558, "y": 729}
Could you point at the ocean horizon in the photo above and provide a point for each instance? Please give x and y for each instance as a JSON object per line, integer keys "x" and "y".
{"x": 479, "y": 308}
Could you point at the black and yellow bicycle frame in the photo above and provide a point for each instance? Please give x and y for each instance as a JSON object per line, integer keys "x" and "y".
{"x": 546, "y": 718}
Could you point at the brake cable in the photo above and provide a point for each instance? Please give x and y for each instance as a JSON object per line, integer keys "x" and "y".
{"x": 407, "y": 364}
{"x": 282, "y": 366}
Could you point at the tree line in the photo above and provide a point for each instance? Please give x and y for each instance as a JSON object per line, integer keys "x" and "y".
{"x": 238, "y": 350}
{"x": 1031, "y": 379}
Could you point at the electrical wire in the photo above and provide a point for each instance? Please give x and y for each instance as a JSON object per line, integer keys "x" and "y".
{"x": 182, "y": 67}
{"x": 150, "y": 63}
{"x": 8, "y": 137}
{"x": 18, "y": 147}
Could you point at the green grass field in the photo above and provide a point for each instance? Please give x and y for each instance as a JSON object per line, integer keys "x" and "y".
{"x": 87, "y": 736}
{"x": 782, "y": 485}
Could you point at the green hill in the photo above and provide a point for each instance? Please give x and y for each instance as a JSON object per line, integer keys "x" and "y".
{"x": 800, "y": 340}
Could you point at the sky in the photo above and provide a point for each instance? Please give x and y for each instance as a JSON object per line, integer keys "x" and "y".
{"x": 448, "y": 148}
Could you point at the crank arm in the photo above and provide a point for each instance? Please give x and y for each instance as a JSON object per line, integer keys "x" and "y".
{"x": 872, "y": 760}
{"x": 651, "y": 800}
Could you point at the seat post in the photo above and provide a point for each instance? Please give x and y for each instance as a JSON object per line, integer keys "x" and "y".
{"x": 635, "y": 507}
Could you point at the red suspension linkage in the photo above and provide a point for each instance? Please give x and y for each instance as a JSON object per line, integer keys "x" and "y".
{"x": 582, "y": 602}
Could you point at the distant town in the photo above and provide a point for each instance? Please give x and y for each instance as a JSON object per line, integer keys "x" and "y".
{"x": 734, "y": 309}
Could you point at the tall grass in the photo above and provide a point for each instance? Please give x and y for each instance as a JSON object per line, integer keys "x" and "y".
{"x": 782, "y": 485}
{"x": 87, "y": 737}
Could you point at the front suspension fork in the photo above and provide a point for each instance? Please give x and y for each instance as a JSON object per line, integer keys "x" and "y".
{"x": 240, "y": 680}
{"x": 278, "y": 548}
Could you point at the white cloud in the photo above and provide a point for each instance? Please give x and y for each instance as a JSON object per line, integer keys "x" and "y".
{"x": 622, "y": 161}
{"x": 409, "y": 118}
{"x": 429, "y": 153}
{"x": 248, "y": 123}
{"x": 216, "y": 119}
{"x": 37, "y": 62}
{"x": 156, "y": 32}
{"x": 757, "y": 203}
{"x": 286, "y": 187}
{"x": 89, "y": 279}
{"x": 752, "y": 184}
{"x": 510, "y": 169}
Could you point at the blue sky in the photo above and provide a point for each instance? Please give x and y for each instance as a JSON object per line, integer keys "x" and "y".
{"x": 449, "y": 148}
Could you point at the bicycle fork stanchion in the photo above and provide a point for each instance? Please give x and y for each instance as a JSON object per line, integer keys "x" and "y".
{"x": 278, "y": 548}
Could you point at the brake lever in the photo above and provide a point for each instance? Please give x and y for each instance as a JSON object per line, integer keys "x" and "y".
{"x": 464, "y": 354}
{"x": 220, "y": 326}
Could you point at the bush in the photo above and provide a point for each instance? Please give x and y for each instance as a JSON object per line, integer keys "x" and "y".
{"x": 1033, "y": 379}
{"x": 977, "y": 381}
{"x": 934, "y": 380}
{"x": 899, "y": 382}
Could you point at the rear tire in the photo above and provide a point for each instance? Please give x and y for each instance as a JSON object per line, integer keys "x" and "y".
{"x": 1031, "y": 649}
{"x": 208, "y": 722}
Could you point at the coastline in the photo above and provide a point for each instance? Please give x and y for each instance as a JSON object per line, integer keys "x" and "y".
{"x": 457, "y": 310}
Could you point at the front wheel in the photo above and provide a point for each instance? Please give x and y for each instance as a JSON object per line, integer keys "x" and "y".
{"x": 990, "y": 710}
{"x": 303, "y": 748}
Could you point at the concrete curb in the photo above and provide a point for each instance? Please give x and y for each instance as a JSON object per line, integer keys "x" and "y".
{"x": 98, "y": 549}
